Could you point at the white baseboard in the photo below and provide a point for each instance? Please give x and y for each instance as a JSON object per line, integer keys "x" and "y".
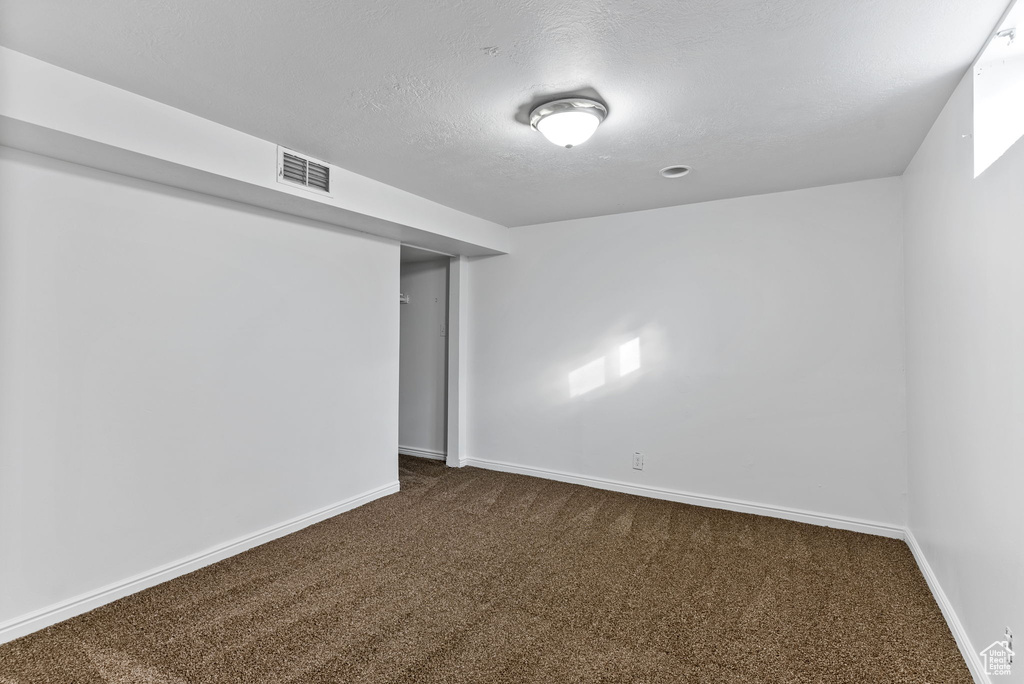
{"x": 963, "y": 642}
{"x": 44, "y": 617}
{"x": 967, "y": 650}
{"x": 26, "y": 624}
{"x": 422, "y": 453}
{"x": 839, "y": 522}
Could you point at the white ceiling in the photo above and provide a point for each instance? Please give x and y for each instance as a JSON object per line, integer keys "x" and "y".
{"x": 757, "y": 95}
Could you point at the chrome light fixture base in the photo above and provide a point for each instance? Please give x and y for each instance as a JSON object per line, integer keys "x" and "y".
{"x": 567, "y": 105}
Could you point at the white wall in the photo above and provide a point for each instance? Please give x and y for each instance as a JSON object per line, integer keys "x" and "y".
{"x": 421, "y": 410}
{"x": 178, "y": 371}
{"x": 771, "y": 333}
{"x": 965, "y": 352}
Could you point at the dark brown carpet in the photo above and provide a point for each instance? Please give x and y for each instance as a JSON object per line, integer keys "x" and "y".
{"x": 475, "y": 576}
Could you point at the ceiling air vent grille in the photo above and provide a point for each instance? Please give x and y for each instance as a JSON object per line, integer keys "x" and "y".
{"x": 318, "y": 176}
{"x": 296, "y": 169}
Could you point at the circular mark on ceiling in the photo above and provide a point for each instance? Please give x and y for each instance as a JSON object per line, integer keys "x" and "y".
{"x": 675, "y": 171}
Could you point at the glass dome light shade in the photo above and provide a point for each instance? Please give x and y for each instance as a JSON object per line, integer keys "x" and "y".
{"x": 569, "y": 122}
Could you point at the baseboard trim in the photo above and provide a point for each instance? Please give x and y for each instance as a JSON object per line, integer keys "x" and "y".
{"x": 963, "y": 642}
{"x": 422, "y": 453}
{"x": 970, "y": 655}
{"x": 32, "y": 622}
{"x": 83, "y": 603}
{"x": 825, "y": 520}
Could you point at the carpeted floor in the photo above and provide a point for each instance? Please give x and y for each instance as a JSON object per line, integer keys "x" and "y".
{"x": 475, "y": 576}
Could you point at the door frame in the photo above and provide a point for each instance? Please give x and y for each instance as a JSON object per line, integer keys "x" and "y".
{"x": 456, "y": 425}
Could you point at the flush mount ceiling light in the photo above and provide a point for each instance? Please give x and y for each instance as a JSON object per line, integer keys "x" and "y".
{"x": 568, "y": 122}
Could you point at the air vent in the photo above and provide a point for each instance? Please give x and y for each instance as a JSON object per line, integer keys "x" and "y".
{"x": 293, "y": 168}
{"x": 318, "y": 176}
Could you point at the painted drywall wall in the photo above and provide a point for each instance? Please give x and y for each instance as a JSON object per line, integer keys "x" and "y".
{"x": 965, "y": 372}
{"x": 178, "y": 371}
{"x": 421, "y": 412}
{"x": 770, "y": 350}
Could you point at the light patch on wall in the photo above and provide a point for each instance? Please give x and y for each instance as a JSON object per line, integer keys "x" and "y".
{"x": 629, "y": 356}
{"x": 999, "y": 92}
{"x": 586, "y": 378}
{"x": 595, "y": 374}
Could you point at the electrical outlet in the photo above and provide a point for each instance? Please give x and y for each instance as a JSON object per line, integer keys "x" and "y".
{"x": 638, "y": 460}
{"x": 444, "y": 330}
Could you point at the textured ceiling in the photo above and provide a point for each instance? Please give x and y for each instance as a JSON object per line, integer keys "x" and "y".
{"x": 757, "y": 95}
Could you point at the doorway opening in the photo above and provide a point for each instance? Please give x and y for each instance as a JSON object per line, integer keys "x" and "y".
{"x": 423, "y": 355}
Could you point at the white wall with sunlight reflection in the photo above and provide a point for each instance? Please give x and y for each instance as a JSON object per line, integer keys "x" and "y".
{"x": 750, "y": 348}
{"x": 629, "y": 356}
{"x": 586, "y": 378}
